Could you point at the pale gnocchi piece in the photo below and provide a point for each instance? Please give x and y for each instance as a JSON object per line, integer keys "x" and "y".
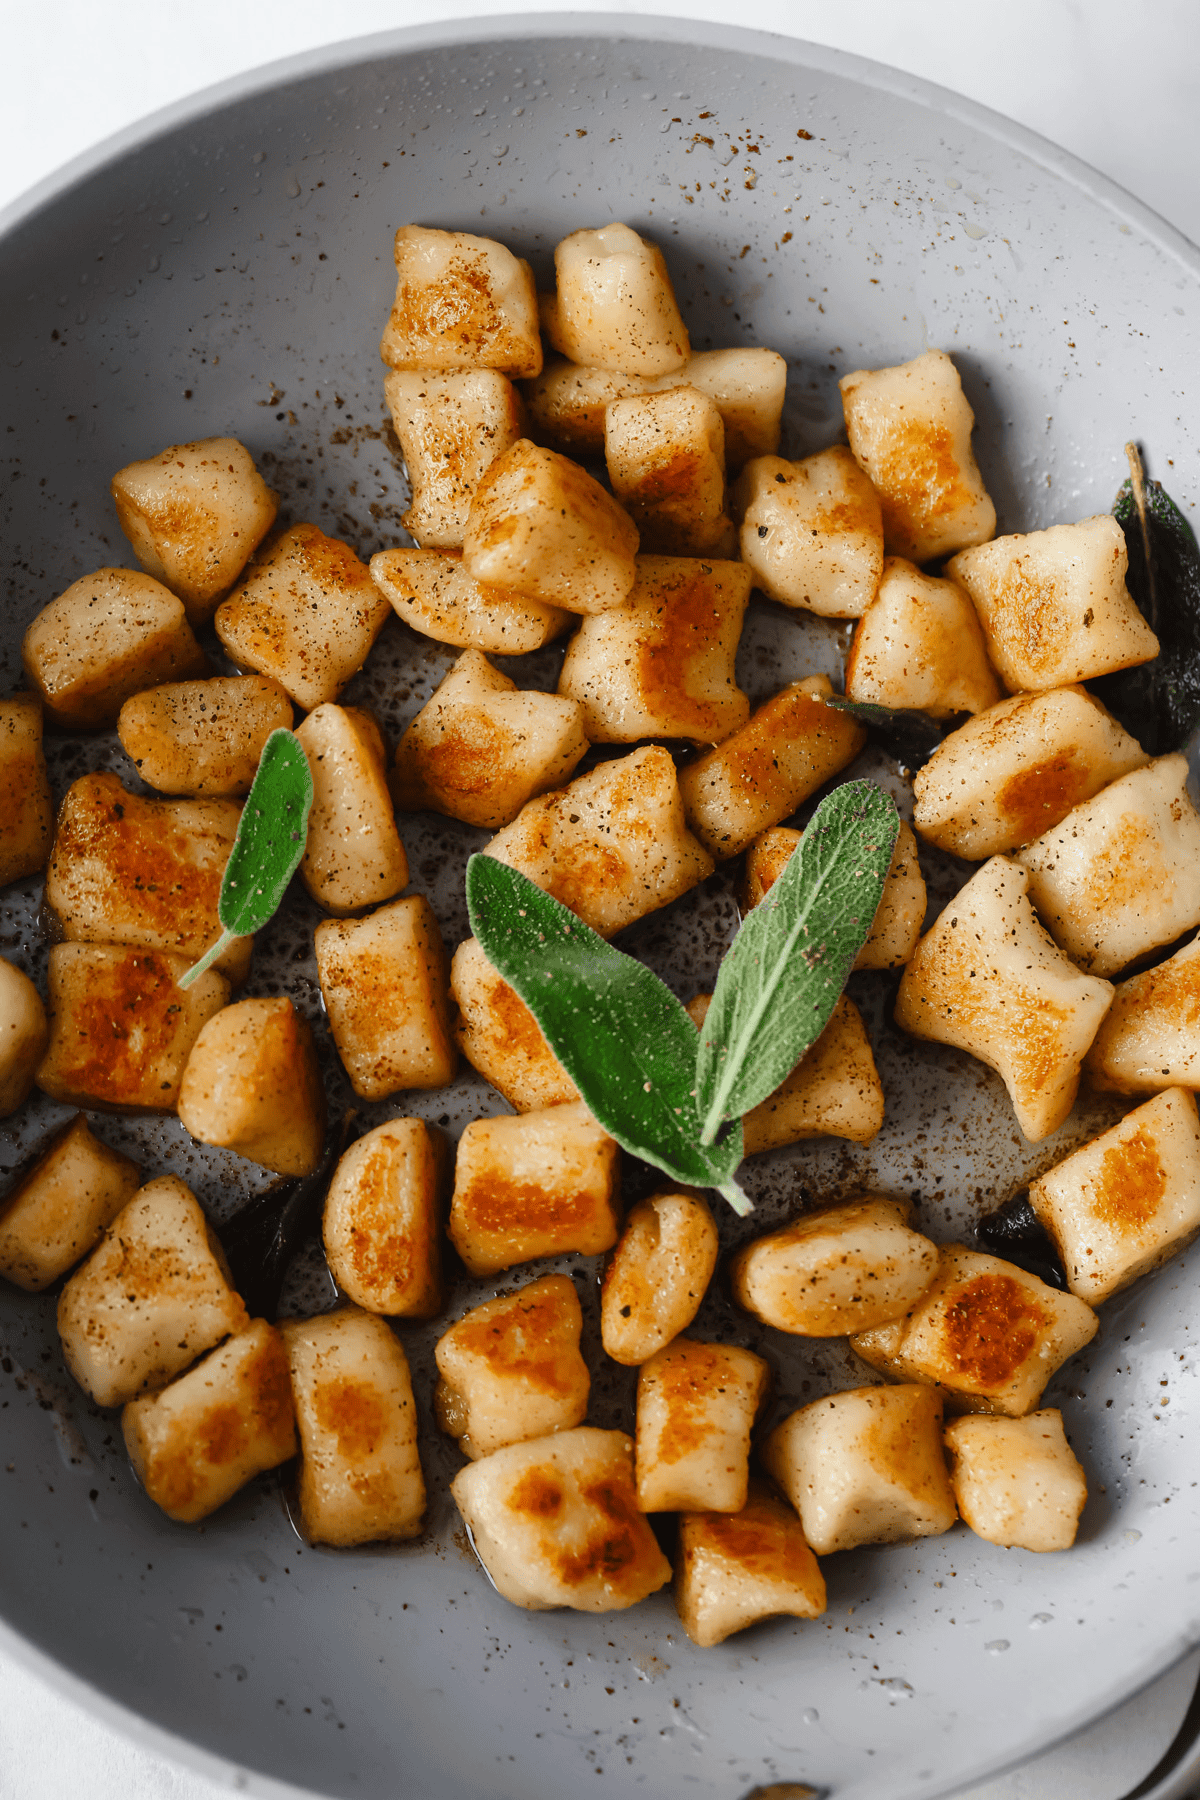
{"x": 986, "y": 1332}
{"x": 26, "y": 803}
{"x": 511, "y": 1369}
{"x": 657, "y": 1276}
{"x": 747, "y": 387}
{"x": 1017, "y": 769}
{"x": 360, "y": 1471}
{"x": 203, "y": 737}
{"x": 567, "y": 403}
{"x": 1129, "y": 1200}
{"x": 147, "y": 873}
{"x": 910, "y": 429}
{"x": 1054, "y": 606}
{"x": 121, "y": 1027}
{"x": 451, "y": 429}
{"x": 696, "y": 1404}
{"x": 615, "y": 306}
{"x": 893, "y": 936}
{"x": 500, "y": 1037}
{"x": 152, "y": 1297}
{"x": 540, "y": 1184}
{"x": 1150, "y": 1037}
{"x": 833, "y": 1091}
{"x": 1118, "y": 876}
{"x": 305, "y": 615}
{"x": 462, "y": 302}
{"x": 59, "y": 1210}
{"x": 919, "y": 644}
{"x": 108, "y": 636}
{"x": 847, "y": 1268}
{"x": 198, "y": 1440}
{"x": 24, "y": 1034}
{"x": 1017, "y": 1482}
{"x": 384, "y": 983}
{"x": 662, "y": 665}
{"x": 789, "y": 748}
{"x": 481, "y": 747}
{"x": 353, "y": 857}
{"x": 989, "y": 979}
{"x": 555, "y": 1522}
{"x": 811, "y": 532}
{"x": 195, "y": 514}
{"x": 432, "y": 592}
{"x": 543, "y": 527}
{"x": 865, "y": 1466}
{"x": 253, "y": 1085}
{"x": 666, "y": 460}
{"x": 613, "y": 845}
{"x": 382, "y": 1223}
{"x": 735, "y": 1569}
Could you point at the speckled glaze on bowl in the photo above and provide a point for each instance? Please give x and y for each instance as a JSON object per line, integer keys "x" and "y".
{"x": 226, "y": 268}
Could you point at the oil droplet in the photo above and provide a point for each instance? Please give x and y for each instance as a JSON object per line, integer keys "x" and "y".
{"x": 810, "y": 1715}
{"x": 953, "y": 182}
{"x": 997, "y": 1647}
{"x": 1040, "y": 1619}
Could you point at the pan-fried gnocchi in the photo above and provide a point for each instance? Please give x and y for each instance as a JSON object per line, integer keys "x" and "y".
{"x": 1088, "y": 850}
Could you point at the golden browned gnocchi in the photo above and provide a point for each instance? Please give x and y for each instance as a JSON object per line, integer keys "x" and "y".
{"x": 252, "y": 1084}
{"x": 195, "y": 514}
{"x": 360, "y": 1472}
{"x": 107, "y": 637}
{"x": 58, "y": 1211}
{"x": 542, "y": 526}
{"x": 865, "y": 1467}
{"x": 481, "y": 747}
{"x": 511, "y": 1369}
{"x": 838, "y": 1271}
{"x": 151, "y": 1298}
{"x": 657, "y": 1277}
{"x": 26, "y": 803}
{"x": 194, "y": 1443}
{"x": 555, "y": 1522}
{"x": 734, "y": 1569}
{"x": 985, "y": 1331}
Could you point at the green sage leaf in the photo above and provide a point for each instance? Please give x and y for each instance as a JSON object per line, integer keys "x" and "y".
{"x": 618, "y": 1031}
{"x": 788, "y": 964}
{"x": 271, "y": 836}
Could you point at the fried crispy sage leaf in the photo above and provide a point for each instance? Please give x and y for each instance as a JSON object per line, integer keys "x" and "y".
{"x": 621, "y": 1035}
{"x": 906, "y": 733}
{"x": 271, "y": 836}
{"x": 789, "y": 962}
{"x": 1159, "y": 701}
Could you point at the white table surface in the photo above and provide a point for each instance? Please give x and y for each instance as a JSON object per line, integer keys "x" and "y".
{"x": 1117, "y": 83}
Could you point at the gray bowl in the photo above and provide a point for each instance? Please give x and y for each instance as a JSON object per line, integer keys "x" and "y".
{"x": 226, "y": 268}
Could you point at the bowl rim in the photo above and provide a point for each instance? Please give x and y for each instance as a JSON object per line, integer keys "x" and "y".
{"x": 344, "y": 53}
{"x": 514, "y": 27}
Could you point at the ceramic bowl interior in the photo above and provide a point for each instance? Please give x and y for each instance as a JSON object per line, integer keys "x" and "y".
{"x": 227, "y": 269}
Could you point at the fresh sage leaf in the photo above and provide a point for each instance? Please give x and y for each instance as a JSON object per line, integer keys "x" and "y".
{"x": 1159, "y": 701}
{"x": 618, "y": 1031}
{"x": 907, "y": 734}
{"x": 789, "y": 962}
{"x": 271, "y": 836}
